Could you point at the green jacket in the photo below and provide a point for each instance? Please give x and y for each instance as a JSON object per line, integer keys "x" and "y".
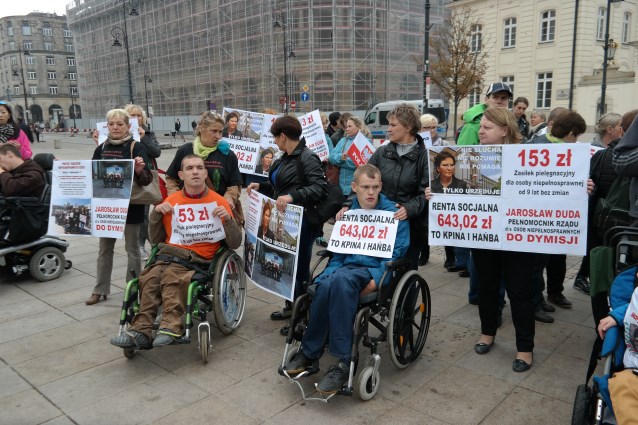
{"x": 472, "y": 119}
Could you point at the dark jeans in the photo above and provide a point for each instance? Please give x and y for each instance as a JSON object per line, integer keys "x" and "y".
{"x": 462, "y": 257}
{"x": 308, "y": 234}
{"x": 416, "y": 245}
{"x": 473, "y": 293}
{"x": 556, "y": 269}
{"x": 516, "y": 270}
{"x": 332, "y": 313}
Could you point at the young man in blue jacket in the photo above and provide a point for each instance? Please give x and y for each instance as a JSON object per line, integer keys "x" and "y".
{"x": 346, "y": 277}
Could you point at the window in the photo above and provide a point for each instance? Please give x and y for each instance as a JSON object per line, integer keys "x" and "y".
{"x": 12, "y": 45}
{"x": 548, "y": 26}
{"x": 626, "y": 27}
{"x": 70, "y": 61}
{"x": 73, "y": 91}
{"x": 48, "y": 46}
{"x": 26, "y": 29}
{"x": 600, "y": 23}
{"x": 10, "y": 31}
{"x": 27, "y": 45}
{"x": 50, "y": 60}
{"x": 509, "y": 80}
{"x": 47, "y": 32}
{"x": 67, "y": 33}
{"x": 16, "y": 90}
{"x": 14, "y": 60}
{"x": 68, "y": 47}
{"x": 30, "y": 60}
{"x": 474, "y": 97}
{"x": 31, "y": 75}
{"x": 544, "y": 90}
{"x": 33, "y": 89}
{"x": 72, "y": 76}
{"x": 51, "y": 75}
{"x": 509, "y": 33}
{"x": 476, "y": 39}
{"x": 53, "y": 89}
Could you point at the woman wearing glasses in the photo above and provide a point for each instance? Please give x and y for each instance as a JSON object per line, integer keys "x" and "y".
{"x": 429, "y": 123}
{"x": 220, "y": 161}
{"x": 10, "y": 132}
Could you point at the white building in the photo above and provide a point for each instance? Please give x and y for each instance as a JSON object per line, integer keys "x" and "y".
{"x": 531, "y": 45}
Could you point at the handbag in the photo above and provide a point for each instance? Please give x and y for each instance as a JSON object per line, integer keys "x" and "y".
{"x": 327, "y": 207}
{"x": 332, "y": 171}
{"x": 146, "y": 195}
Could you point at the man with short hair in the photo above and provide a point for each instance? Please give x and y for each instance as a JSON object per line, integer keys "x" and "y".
{"x": 166, "y": 281}
{"x": 498, "y": 96}
{"x": 19, "y": 177}
{"x": 346, "y": 277}
{"x": 333, "y": 118}
{"x": 518, "y": 109}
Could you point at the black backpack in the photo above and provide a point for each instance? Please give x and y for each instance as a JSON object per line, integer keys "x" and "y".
{"x": 614, "y": 209}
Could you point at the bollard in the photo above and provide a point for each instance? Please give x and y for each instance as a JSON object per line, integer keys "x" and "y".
{"x": 57, "y": 144}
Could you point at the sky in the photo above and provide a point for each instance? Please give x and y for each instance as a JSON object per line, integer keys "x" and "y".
{"x": 23, "y": 7}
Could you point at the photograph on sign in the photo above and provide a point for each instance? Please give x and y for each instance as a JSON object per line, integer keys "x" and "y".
{"x": 474, "y": 170}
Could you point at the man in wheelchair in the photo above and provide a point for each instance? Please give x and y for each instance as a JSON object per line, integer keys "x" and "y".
{"x": 338, "y": 288}
{"x": 166, "y": 280}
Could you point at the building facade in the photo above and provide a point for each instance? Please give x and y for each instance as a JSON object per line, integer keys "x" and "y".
{"x": 37, "y": 67}
{"x": 551, "y": 51}
{"x": 347, "y": 54}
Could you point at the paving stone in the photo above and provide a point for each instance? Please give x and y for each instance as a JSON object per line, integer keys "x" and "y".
{"x": 12, "y": 383}
{"x": 26, "y": 408}
{"x": 209, "y": 410}
{"x": 245, "y": 360}
{"x": 11, "y": 294}
{"x": 405, "y": 416}
{"x": 60, "y": 420}
{"x": 33, "y": 324}
{"x": 526, "y": 407}
{"x": 558, "y": 377}
{"x": 22, "y": 309}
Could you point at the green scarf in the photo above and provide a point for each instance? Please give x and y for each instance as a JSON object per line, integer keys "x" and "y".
{"x": 553, "y": 139}
{"x": 202, "y": 151}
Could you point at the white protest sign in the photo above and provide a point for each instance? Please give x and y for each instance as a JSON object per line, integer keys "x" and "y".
{"x": 366, "y": 232}
{"x": 360, "y": 150}
{"x": 312, "y": 131}
{"x": 103, "y": 131}
{"x": 195, "y": 223}
{"x": 427, "y": 138}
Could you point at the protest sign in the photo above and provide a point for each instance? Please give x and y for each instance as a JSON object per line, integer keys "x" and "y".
{"x": 312, "y": 131}
{"x": 245, "y": 138}
{"x": 195, "y": 223}
{"x": 270, "y": 248}
{"x": 360, "y": 150}
{"x": 427, "y": 138}
{"x": 103, "y": 131}
{"x": 90, "y": 198}
{"x": 366, "y": 232}
{"x": 530, "y": 198}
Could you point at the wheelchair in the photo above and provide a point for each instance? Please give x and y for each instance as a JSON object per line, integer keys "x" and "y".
{"x": 221, "y": 289}
{"x": 34, "y": 251}
{"x": 400, "y": 310}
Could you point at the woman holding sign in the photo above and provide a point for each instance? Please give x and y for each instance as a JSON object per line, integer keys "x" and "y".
{"x": 120, "y": 145}
{"x": 219, "y": 160}
{"x": 339, "y": 155}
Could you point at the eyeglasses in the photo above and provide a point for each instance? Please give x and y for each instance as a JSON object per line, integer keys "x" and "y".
{"x": 428, "y": 128}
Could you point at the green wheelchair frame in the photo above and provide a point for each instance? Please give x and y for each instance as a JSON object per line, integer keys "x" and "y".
{"x": 221, "y": 290}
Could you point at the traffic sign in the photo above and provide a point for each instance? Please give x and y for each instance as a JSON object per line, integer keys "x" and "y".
{"x": 305, "y": 87}
{"x": 282, "y": 100}
{"x": 293, "y": 104}
{"x": 304, "y": 97}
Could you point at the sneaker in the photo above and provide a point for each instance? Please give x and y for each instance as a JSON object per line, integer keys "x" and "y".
{"x": 131, "y": 339}
{"x": 334, "y": 379}
{"x": 300, "y": 363}
{"x": 581, "y": 283}
{"x": 143, "y": 253}
{"x": 165, "y": 337}
{"x": 547, "y": 307}
{"x": 559, "y": 300}
{"x": 542, "y": 316}
{"x": 321, "y": 241}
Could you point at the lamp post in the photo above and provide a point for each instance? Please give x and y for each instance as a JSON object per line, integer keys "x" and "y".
{"x": 147, "y": 79}
{"x": 18, "y": 71}
{"x": 426, "y": 58}
{"x": 119, "y": 33}
{"x": 72, "y": 101}
{"x": 609, "y": 49}
{"x": 279, "y": 21}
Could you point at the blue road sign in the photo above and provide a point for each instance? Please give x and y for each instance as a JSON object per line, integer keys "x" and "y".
{"x": 304, "y": 97}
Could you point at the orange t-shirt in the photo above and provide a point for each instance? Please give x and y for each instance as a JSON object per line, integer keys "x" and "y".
{"x": 204, "y": 249}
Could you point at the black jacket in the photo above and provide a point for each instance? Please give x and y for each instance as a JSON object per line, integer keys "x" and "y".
{"x": 287, "y": 180}
{"x": 108, "y": 151}
{"x": 153, "y": 150}
{"x": 404, "y": 177}
{"x": 602, "y": 170}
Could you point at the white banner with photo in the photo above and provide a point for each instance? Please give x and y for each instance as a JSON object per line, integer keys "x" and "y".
{"x": 529, "y": 198}
{"x": 90, "y": 198}
{"x": 366, "y": 232}
{"x": 312, "y": 130}
{"x": 270, "y": 248}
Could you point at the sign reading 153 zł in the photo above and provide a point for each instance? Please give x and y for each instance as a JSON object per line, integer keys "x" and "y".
{"x": 530, "y": 198}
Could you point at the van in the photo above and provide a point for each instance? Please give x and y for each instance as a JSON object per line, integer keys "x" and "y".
{"x": 377, "y": 121}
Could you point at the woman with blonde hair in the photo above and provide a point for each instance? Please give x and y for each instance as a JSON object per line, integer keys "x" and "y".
{"x": 430, "y": 123}
{"x": 608, "y": 128}
{"x": 339, "y": 155}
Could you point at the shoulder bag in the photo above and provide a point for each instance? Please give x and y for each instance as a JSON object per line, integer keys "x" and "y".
{"x": 145, "y": 195}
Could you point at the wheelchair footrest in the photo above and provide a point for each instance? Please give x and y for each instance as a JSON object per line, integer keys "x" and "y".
{"x": 182, "y": 340}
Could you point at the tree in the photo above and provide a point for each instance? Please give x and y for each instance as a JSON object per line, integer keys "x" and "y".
{"x": 461, "y": 60}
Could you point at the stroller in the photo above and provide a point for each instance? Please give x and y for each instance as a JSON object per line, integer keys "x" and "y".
{"x": 25, "y": 222}
{"x": 613, "y": 278}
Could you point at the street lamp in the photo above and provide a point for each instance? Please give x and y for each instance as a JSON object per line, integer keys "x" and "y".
{"x": 147, "y": 79}
{"x": 279, "y": 21}
{"x": 426, "y": 58}
{"x": 72, "y": 101}
{"x": 18, "y": 72}
{"x": 608, "y": 48}
{"x": 119, "y": 33}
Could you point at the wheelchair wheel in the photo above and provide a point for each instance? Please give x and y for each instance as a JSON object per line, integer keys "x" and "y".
{"x": 583, "y": 406}
{"x": 409, "y": 319}
{"x": 229, "y": 288}
{"x": 47, "y": 263}
{"x": 129, "y": 353}
{"x": 204, "y": 339}
{"x": 368, "y": 383}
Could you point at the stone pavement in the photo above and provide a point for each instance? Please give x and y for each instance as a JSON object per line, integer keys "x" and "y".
{"x": 57, "y": 366}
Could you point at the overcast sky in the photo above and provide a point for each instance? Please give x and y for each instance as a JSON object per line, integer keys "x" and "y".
{"x": 23, "y": 7}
